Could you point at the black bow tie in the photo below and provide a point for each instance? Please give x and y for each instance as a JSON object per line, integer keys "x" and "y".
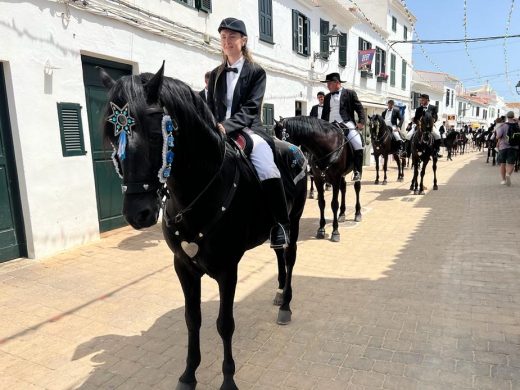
{"x": 334, "y": 93}
{"x": 230, "y": 69}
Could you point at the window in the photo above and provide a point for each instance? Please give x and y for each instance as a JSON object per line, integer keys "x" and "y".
{"x": 478, "y": 112}
{"x": 364, "y": 45}
{"x": 380, "y": 61}
{"x": 71, "y": 129}
{"x": 201, "y": 5}
{"x": 405, "y": 33}
{"x": 324, "y": 39}
{"x": 437, "y": 103}
{"x": 451, "y": 104}
{"x": 392, "y": 70}
{"x": 460, "y": 109}
{"x": 299, "y": 108}
{"x": 265, "y": 17}
{"x": 415, "y": 100}
{"x": 447, "y": 97}
{"x": 484, "y": 114}
{"x": 301, "y": 33}
{"x": 394, "y": 24}
{"x": 403, "y": 75}
{"x": 342, "y": 54}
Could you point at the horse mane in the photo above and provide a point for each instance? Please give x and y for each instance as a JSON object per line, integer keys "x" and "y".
{"x": 181, "y": 102}
{"x": 308, "y": 125}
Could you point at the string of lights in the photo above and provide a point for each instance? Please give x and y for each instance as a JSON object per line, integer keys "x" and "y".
{"x": 377, "y": 30}
{"x": 506, "y": 64}
{"x": 457, "y": 40}
{"x": 466, "y": 39}
{"x": 417, "y": 39}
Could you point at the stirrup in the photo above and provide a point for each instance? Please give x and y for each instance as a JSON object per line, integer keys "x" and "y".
{"x": 279, "y": 236}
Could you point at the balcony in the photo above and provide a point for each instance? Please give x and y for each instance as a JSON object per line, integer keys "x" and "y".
{"x": 338, "y": 9}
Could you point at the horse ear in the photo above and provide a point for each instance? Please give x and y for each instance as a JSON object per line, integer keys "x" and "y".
{"x": 276, "y": 122}
{"x": 153, "y": 87}
{"x": 107, "y": 81}
{"x": 281, "y": 119}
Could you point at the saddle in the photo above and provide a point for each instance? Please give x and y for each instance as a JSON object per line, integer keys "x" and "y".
{"x": 343, "y": 127}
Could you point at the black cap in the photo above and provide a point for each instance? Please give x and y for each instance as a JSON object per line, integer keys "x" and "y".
{"x": 233, "y": 24}
{"x": 321, "y": 93}
{"x": 332, "y": 77}
{"x": 424, "y": 96}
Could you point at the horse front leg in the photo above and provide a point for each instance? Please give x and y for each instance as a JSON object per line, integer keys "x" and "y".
{"x": 385, "y": 166}
{"x": 342, "y": 207}
{"x": 415, "y": 164}
{"x": 376, "y": 157}
{"x": 289, "y": 255}
{"x": 434, "y": 167}
{"x": 282, "y": 276}
{"x": 334, "y": 204}
{"x": 227, "y": 283}
{"x": 357, "y": 188}
{"x": 311, "y": 191}
{"x": 398, "y": 162}
{"x": 321, "y": 203}
{"x": 423, "y": 171}
{"x": 190, "y": 283}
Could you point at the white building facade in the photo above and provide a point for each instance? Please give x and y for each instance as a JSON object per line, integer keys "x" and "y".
{"x": 60, "y": 189}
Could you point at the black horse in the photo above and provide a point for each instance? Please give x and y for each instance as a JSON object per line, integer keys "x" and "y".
{"x": 462, "y": 142}
{"x": 214, "y": 209}
{"x": 490, "y": 142}
{"x": 451, "y": 142}
{"x": 331, "y": 159}
{"x": 383, "y": 144}
{"x": 422, "y": 151}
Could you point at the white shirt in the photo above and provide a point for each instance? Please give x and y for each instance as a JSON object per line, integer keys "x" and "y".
{"x": 388, "y": 117}
{"x": 320, "y": 110}
{"x": 334, "y": 107}
{"x": 231, "y": 81}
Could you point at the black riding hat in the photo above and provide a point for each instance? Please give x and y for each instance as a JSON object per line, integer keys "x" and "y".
{"x": 233, "y": 24}
{"x": 332, "y": 77}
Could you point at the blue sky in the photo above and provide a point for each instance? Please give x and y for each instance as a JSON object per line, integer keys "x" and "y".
{"x": 444, "y": 19}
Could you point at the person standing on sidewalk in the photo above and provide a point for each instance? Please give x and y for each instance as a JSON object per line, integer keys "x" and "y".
{"x": 507, "y": 154}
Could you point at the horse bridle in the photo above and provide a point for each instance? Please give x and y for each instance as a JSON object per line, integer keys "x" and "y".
{"x": 132, "y": 188}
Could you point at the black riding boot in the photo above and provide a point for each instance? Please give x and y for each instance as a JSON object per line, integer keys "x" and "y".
{"x": 437, "y": 147}
{"x": 358, "y": 165}
{"x": 273, "y": 190}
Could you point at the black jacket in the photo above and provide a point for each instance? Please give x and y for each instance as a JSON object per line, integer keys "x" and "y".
{"x": 314, "y": 111}
{"x": 249, "y": 92}
{"x": 348, "y": 104}
{"x": 420, "y": 110}
{"x": 397, "y": 119}
{"x": 202, "y": 94}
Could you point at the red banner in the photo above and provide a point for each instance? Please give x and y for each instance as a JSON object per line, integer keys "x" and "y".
{"x": 365, "y": 58}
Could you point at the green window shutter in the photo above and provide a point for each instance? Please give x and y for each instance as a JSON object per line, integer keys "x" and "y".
{"x": 265, "y": 15}
{"x": 392, "y": 70}
{"x": 71, "y": 129}
{"x": 342, "y": 55}
{"x": 403, "y": 75}
{"x": 360, "y": 43}
{"x": 268, "y": 117}
{"x": 204, "y": 5}
{"x": 324, "y": 39}
{"x": 295, "y": 30}
{"x": 307, "y": 37}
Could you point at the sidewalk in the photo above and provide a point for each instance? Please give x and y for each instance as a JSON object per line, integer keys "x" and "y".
{"x": 424, "y": 293}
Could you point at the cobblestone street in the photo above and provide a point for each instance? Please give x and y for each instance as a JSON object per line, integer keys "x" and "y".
{"x": 424, "y": 293}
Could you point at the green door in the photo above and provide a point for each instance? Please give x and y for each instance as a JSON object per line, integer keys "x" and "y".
{"x": 12, "y": 235}
{"x": 108, "y": 184}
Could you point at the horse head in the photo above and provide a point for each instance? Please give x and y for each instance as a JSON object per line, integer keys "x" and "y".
{"x": 279, "y": 129}
{"x": 145, "y": 118}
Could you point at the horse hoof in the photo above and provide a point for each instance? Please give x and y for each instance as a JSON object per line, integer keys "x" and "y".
{"x": 229, "y": 385}
{"x": 311, "y": 195}
{"x": 186, "y": 386}
{"x": 341, "y": 218}
{"x": 284, "y": 317}
{"x": 278, "y": 299}
{"x": 411, "y": 188}
{"x": 335, "y": 237}
{"x": 416, "y": 192}
{"x": 385, "y": 182}
{"x": 321, "y": 234}
{"x": 421, "y": 193}
{"x": 376, "y": 182}
{"x": 358, "y": 218}
{"x": 435, "y": 187}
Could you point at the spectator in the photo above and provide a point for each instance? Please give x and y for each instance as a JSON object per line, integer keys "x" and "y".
{"x": 507, "y": 154}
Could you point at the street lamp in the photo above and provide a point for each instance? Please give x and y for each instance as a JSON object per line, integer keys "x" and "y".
{"x": 333, "y": 37}
{"x": 518, "y": 88}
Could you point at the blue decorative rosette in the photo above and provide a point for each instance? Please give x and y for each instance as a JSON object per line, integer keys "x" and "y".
{"x": 168, "y": 127}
